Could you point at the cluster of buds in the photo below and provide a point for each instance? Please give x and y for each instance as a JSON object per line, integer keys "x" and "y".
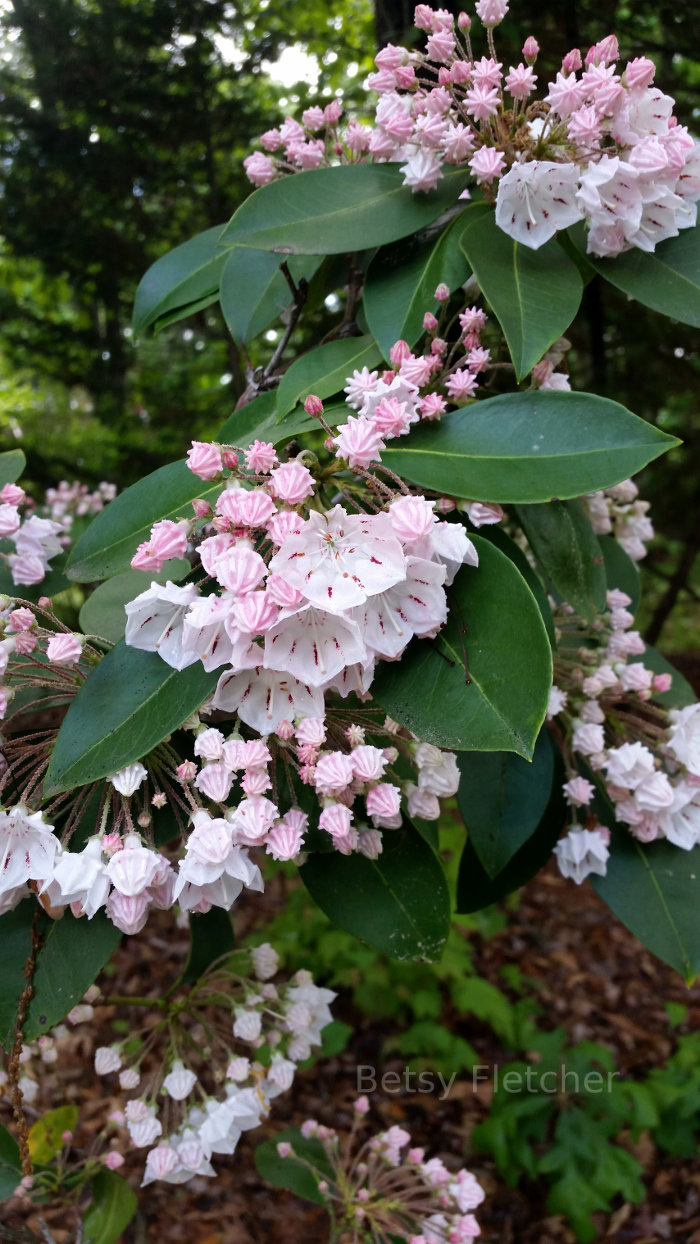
{"x": 618, "y": 512}
{"x": 602, "y": 146}
{"x": 384, "y": 1188}
{"x": 39, "y": 533}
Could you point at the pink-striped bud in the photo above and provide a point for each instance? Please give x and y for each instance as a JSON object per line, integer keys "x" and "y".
{"x": 313, "y": 406}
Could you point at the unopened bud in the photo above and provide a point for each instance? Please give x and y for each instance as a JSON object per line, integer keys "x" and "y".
{"x": 229, "y": 459}
{"x": 202, "y": 509}
{"x": 313, "y": 406}
{"x": 464, "y": 21}
{"x": 531, "y": 50}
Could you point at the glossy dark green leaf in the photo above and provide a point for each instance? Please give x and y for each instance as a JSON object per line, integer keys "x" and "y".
{"x": 620, "y": 571}
{"x": 667, "y": 280}
{"x": 211, "y": 935}
{"x": 111, "y": 1209}
{"x": 496, "y": 535}
{"x": 325, "y": 370}
{"x": 130, "y": 702}
{"x": 113, "y": 537}
{"x": 528, "y": 447}
{"x": 187, "y": 276}
{"x": 564, "y": 543}
{"x": 10, "y": 1163}
{"x": 655, "y": 891}
{"x": 12, "y": 464}
{"x": 16, "y": 939}
{"x": 254, "y": 291}
{"x": 495, "y": 623}
{"x": 534, "y": 294}
{"x": 294, "y": 1175}
{"x": 103, "y": 613}
{"x": 476, "y": 889}
{"x": 73, "y": 955}
{"x": 503, "y": 798}
{"x": 399, "y": 903}
{"x": 328, "y": 211}
{"x": 401, "y": 283}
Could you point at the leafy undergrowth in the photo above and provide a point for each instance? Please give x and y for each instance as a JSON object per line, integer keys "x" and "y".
{"x": 554, "y": 982}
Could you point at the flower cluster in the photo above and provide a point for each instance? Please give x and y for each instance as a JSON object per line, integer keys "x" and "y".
{"x": 618, "y": 511}
{"x": 281, "y": 1022}
{"x": 38, "y": 536}
{"x": 385, "y": 1188}
{"x": 601, "y": 146}
{"x": 642, "y": 758}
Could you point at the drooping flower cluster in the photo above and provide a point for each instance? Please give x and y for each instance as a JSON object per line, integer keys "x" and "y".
{"x": 603, "y": 146}
{"x": 643, "y": 758}
{"x": 385, "y": 1188}
{"x": 229, "y": 1045}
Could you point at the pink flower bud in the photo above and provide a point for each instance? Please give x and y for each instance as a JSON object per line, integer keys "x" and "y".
{"x": 384, "y": 805}
{"x": 204, "y": 460}
{"x": 229, "y": 459}
{"x": 662, "y": 682}
{"x": 572, "y": 61}
{"x": 531, "y": 49}
{"x": 284, "y": 1149}
{"x": 283, "y": 842}
{"x": 399, "y": 352}
{"x": 464, "y": 21}
{"x": 285, "y": 730}
{"x": 64, "y": 649}
{"x": 429, "y": 322}
{"x": 313, "y": 406}
{"x": 187, "y": 771}
{"x": 202, "y": 509}
{"x": 639, "y": 73}
{"x": 442, "y": 292}
{"x": 113, "y": 1160}
{"x": 292, "y": 482}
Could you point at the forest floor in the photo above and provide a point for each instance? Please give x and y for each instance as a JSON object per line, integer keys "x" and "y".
{"x": 592, "y": 977}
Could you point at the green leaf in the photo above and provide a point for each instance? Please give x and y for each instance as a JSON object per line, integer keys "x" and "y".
{"x": 324, "y": 371}
{"x": 10, "y": 1163}
{"x": 293, "y": 1175}
{"x": 528, "y": 447}
{"x": 620, "y": 571}
{"x": 401, "y": 283}
{"x": 399, "y": 903}
{"x": 211, "y": 935}
{"x": 254, "y": 291}
{"x": 16, "y": 937}
{"x": 12, "y": 464}
{"x": 667, "y": 280}
{"x": 114, "y": 535}
{"x": 475, "y": 889}
{"x": 111, "y": 1209}
{"x": 187, "y": 275}
{"x": 73, "y": 955}
{"x": 328, "y": 211}
{"x": 103, "y": 612}
{"x": 500, "y": 705}
{"x": 258, "y": 421}
{"x": 46, "y": 1135}
{"x": 534, "y": 294}
{"x": 681, "y": 694}
{"x": 496, "y": 535}
{"x": 655, "y": 891}
{"x": 564, "y": 543}
{"x": 503, "y": 798}
{"x": 130, "y": 702}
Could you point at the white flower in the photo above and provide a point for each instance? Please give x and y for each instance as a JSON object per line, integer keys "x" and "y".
{"x": 179, "y": 1082}
{"x": 684, "y": 741}
{"x": 128, "y": 780}
{"x": 582, "y": 852}
{"x": 535, "y": 199}
{"x": 28, "y": 848}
